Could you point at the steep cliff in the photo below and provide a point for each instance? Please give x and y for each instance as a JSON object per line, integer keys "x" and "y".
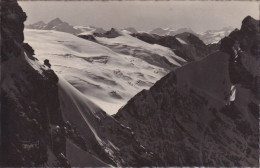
{"x": 29, "y": 99}
{"x": 205, "y": 113}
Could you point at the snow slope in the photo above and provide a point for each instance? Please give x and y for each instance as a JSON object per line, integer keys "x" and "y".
{"x": 89, "y": 29}
{"x": 107, "y": 78}
{"x": 107, "y": 141}
{"x": 132, "y": 46}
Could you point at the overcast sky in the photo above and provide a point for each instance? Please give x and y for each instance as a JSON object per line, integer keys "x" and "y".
{"x": 199, "y": 16}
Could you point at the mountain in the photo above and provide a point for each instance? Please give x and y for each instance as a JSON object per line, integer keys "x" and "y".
{"x": 170, "y": 31}
{"x": 206, "y": 112}
{"x": 185, "y": 45}
{"x": 208, "y": 37}
{"x": 161, "y": 31}
{"x": 38, "y": 25}
{"x": 214, "y": 36}
{"x": 55, "y": 24}
{"x": 183, "y": 30}
{"x": 101, "y": 136}
{"x": 124, "y": 43}
{"x": 90, "y": 29}
{"x": 58, "y": 25}
{"x": 109, "y": 76}
{"x": 130, "y": 30}
{"x": 45, "y": 121}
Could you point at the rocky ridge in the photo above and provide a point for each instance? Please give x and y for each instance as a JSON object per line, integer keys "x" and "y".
{"x": 204, "y": 113}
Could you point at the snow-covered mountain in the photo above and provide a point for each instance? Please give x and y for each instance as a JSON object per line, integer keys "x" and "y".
{"x": 109, "y": 77}
{"x": 90, "y": 29}
{"x": 185, "y": 45}
{"x": 55, "y": 24}
{"x": 152, "y": 53}
{"x": 161, "y": 31}
{"x": 214, "y": 36}
{"x": 170, "y": 31}
{"x": 58, "y": 25}
{"x": 208, "y": 37}
{"x": 206, "y": 112}
{"x": 45, "y": 121}
{"x": 131, "y": 30}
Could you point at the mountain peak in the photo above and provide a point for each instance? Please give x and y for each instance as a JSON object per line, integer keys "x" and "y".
{"x": 249, "y": 24}
{"x": 56, "y": 21}
{"x": 248, "y": 19}
{"x": 113, "y": 32}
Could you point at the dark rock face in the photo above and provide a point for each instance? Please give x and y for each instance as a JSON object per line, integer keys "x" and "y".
{"x": 243, "y": 46}
{"x": 29, "y": 99}
{"x": 189, "y": 117}
{"x": 47, "y": 63}
{"x": 13, "y": 21}
{"x": 194, "y": 49}
{"x": 113, "y": 33}
{"x": 88, "y": 37}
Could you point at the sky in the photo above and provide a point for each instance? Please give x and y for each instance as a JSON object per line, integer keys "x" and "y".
{"x": 199, "y": 16}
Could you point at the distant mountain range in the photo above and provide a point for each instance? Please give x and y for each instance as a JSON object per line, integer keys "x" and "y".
{"x": 208, "y": 37}
{"x": 170, "y": 31}
{"x": 214, "y": 36}
{"x": 55, "y": 24}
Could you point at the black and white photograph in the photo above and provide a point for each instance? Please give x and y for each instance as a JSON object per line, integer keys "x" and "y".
{"x": 114, "y": 83}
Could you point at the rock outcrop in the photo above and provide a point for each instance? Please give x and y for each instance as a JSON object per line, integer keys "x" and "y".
{"x": 29, "y": 99}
